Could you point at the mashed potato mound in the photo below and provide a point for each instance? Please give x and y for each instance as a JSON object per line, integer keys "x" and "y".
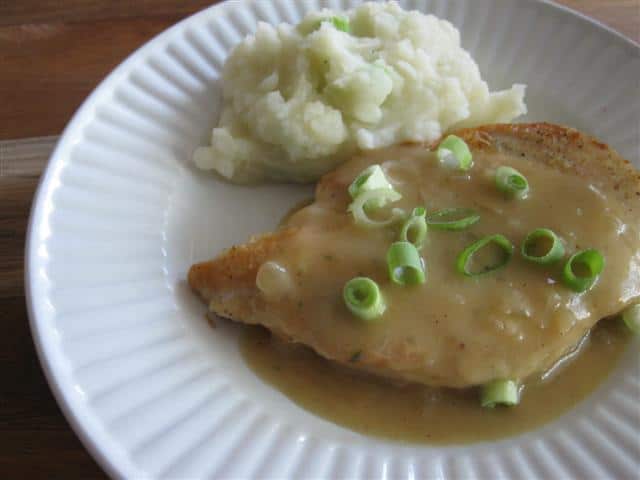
{"x": 299, "y": 100}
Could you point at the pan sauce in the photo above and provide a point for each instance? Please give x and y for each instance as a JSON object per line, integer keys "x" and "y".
{"x": 414, "y": 413}
{"x": 454, "y": 331}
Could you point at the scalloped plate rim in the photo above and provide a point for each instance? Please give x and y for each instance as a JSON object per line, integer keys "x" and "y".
{"x": 86, "y": 428}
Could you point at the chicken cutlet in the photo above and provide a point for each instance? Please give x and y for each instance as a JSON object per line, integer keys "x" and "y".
{"x": 452, "y": 330}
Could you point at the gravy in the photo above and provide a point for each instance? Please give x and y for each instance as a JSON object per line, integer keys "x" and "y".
{"x": 451, "y": 331}
{"x": 418, "y": 414}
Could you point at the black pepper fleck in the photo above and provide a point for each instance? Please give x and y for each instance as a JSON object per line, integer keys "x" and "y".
{"x": 356, "y": 356}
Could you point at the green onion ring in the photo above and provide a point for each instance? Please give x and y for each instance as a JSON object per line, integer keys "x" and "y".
{"x": 371, "y": 178}
{"x": 404, "y": 264}
{"x": 631, "y": 318}
{"x": 363, "y": 298}
{"x": 511, "y": 182}
{"x": 462, "y": 262}
{"x": 375, "y": 198}
{"x": 453, "y": 218}
{"x": 419, "y": 212}
{"x": 414, "y": 229}
{"x": 555, "y": 252}
{"x": 499, "y": 392}
{"x": 454, "y": 152}
{"x": 590, "y": 259}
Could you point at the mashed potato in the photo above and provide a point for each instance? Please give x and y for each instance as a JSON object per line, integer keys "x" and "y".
{"x": 298, "y": 100}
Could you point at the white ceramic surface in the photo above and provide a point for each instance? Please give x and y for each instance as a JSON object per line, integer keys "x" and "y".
{"x": 121, "y": 214}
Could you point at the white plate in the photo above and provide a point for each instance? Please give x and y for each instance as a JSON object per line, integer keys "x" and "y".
{"x": 120, "y": 215}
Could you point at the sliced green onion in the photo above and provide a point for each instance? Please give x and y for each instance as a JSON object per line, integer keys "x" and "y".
{"x": 453, "y": 218}
{"x": 512, "y": 182}
{"x": 542, "y": 246}
{"x": 499, "y": 392}
{"x": 404, "y": 264}
{"x": 419, "y": 212}
{"x": 341, "y": 23}
{"x": 414, "y": 229}
{"x": 453, "y": 152}
{"x": 374, "y": 199}
{"x": 631, "y": 318}
{"x": 583, "y": 269}
{"x": 363, "y": 298}
{"x": 371, "y": 178}
{"x": 465, "y": 257}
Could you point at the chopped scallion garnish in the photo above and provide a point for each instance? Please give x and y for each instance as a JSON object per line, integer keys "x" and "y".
{"x": 453, "y": 152}
{"x": 363, "y": 298}
{"x": 583, "y": 269}
{"x": 372, "y": 199}
{"x": 419, "y": 212}
{"x": 631, "y": 318}
{"x": 542, "y": 246}
{"x": 499, "y": 392}
{"x": 341, "y": 23}
{"x": 371, "y": 178}
{"x": 414, "y": 229}
{"x": 464, "y": 260}
{"x": 453, "y": 218}
{"x": 511, "y": 182}
{"x": 404, "y": 264}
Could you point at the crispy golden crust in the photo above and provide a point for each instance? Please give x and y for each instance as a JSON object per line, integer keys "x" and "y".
{"x": 562, "y": 148}
{"x": 228, "y": 282}
{"x": 236, "y": 268}
{"x": 559, "y": 147}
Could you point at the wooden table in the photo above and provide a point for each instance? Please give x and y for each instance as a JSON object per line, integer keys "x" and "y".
{"x": 52, "y": 54}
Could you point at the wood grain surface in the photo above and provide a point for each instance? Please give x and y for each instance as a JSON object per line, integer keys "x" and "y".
{"x": 52, "y": 54}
